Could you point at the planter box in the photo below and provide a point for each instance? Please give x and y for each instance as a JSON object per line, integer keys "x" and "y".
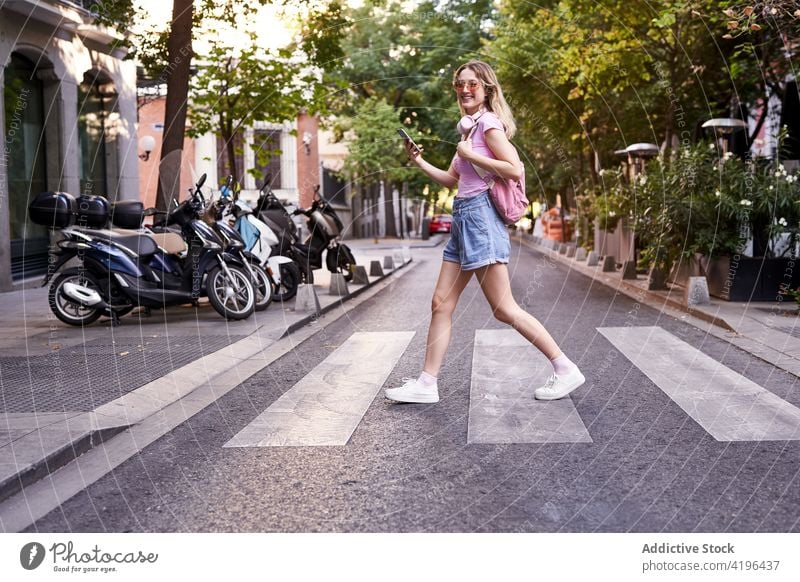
{"x": 685, "y": 268}
{"x": 751, "y": 279}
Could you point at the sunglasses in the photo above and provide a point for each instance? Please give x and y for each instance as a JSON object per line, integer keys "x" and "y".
{"x": 472, "y": 84}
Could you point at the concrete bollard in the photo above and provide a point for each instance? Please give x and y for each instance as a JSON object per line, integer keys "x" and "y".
{"x": 593, "y": 259}
{"x": 570, "y": 251}
{"x": 306, "y": 299}
{"x": 697, "y": 291}
{"x": 397, "y": 255}
{"x": 562, "y": 249}
{"x": 375, "y": 269}
{"x": 406, "y": 254}
{"x": 609, "y": 264}
{"x": 580, "y": 254}
{"x": 388, "y": 262}
{"x": 338, "y": 285}
{"x": 629, "y": 270}
{"x": 360, "y": 275}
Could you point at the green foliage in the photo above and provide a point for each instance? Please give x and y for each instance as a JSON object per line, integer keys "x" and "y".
{"x": 795, "y": 294}
{"x": 375, "y": 152}
{"x": 322, "y": 35}
{"x": 234, "y": 89}
{"x": 702, "y": 203}
{"x": 406, "y": 56}
{"x": 588, "y": 79}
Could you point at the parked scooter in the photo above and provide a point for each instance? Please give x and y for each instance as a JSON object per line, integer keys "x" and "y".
{"x": 261, "y": 241}
{"x": 325, "y": 229}
{"x": 260, "y": 277}
{"x": 116, "y": 271}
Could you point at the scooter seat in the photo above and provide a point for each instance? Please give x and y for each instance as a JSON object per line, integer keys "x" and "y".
{"x": 141, "y": 244}
{"x": 171, "y": 242}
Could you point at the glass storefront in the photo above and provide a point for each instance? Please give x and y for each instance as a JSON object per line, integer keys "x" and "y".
{"x": 97, "y": 129}
{"x": 25, "y": 164}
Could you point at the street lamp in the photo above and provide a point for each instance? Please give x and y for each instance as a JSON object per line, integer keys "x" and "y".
{"x": 636, "y": 154}
{"x": 723, "y": 128}
{"x": 147, "y": 144}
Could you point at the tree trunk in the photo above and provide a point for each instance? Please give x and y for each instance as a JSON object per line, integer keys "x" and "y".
{"x": 228, "y": 137}
{"x": 179, "y": 53}
{"x": 388, "y": 198}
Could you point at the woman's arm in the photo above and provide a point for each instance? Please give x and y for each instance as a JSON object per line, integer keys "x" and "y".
{"x": 448, "y": 179}
{"x": 507, "y": 165}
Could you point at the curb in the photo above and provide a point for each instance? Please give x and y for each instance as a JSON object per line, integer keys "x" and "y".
{"x": 323, "y": 310}
{"x": 629, "y": 289}
{"x": 55, "y": 459}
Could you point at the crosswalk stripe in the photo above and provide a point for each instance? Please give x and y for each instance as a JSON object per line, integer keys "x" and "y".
{"x": 727, "y": 405}
{"x": 506, "y": 369}
{"x": 325, "y": 406}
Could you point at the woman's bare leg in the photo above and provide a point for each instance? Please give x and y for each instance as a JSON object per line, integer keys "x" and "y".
{"x": 452, "y": 281}
{"x": 497, "y": 289}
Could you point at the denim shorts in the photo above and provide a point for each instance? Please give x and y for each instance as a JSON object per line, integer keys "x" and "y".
{"x": 478, "y": 236}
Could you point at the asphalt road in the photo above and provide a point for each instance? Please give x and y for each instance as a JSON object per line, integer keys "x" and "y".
{"x": 650, "y": 467}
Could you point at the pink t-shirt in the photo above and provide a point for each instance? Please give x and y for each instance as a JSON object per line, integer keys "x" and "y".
{"x": 469, "y": 182}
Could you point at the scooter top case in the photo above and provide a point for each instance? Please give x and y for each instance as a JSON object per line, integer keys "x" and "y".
{"x": 54, "y": 210}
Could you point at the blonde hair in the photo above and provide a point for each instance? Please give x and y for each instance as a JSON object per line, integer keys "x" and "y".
{"x": 494, "y": 102}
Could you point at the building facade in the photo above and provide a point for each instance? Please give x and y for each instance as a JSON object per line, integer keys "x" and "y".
{"x": 287, "y": 152}
{"x": 68, "y": 113}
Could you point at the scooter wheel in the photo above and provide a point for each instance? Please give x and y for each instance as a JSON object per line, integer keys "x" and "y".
{"x": 67, "y": 310}
{"x": 290, "y": 280}
{"x": 264, "y": 287}
{"x": 232, "y": 297}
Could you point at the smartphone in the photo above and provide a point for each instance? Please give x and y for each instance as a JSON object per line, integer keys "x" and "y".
{"x": 407, "y": 137}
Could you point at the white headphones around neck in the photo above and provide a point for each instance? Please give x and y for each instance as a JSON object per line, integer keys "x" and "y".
{"x": 467, "y": 123}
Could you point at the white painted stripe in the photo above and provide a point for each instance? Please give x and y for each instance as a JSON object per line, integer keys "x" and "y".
{"x": 325, "y": 407}
{"x": 727, "y": 405}
{"x": 506, "y": 369}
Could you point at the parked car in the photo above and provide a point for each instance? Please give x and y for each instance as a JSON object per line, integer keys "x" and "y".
{"x": 440, "y": 223}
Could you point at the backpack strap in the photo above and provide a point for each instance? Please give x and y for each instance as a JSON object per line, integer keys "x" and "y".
{"x": 478, "y": 170}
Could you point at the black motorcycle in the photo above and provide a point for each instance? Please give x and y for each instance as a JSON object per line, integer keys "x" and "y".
{"x": 260, "y": 276}
{"x": 325, "y": 230}
{"x": 117, "y": 271}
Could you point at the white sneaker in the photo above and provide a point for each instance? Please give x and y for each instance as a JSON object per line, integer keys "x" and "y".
{"x": 413, "y": 391}
{"x": 559, "y": 386}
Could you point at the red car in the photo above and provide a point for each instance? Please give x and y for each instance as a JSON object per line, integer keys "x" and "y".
{"x": 440, "y": 223}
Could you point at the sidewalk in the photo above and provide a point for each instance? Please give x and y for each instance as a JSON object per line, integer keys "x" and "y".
{"x": 768, "y": 330}
{"x": 66, "y": 389}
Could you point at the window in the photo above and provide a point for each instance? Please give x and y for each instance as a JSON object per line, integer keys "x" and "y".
{"x": 97, "y": 128}
{"x": 267, "y": 155}
{"x": 27, "y": 171}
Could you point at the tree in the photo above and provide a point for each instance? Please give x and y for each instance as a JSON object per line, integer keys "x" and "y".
{"x": 234, "y": 89}
{"x": 406, "y": 57}
{"x": 765, "y": 33}
{"x": 374, "y": 155}
{"x": 179, "y": 57}
{"x": 609, "y": 75}
{"x": 168, "y": 55}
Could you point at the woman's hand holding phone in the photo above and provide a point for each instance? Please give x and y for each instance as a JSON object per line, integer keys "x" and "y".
{"x": 413, "y": 151}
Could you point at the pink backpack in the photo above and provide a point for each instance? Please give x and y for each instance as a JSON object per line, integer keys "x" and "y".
{"x": 508, "y": 196}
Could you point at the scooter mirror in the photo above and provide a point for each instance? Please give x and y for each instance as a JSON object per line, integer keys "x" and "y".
{"x": 201, "y": 181}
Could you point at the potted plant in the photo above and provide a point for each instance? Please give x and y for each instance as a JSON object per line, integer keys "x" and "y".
{"x": 734, "y": 221}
